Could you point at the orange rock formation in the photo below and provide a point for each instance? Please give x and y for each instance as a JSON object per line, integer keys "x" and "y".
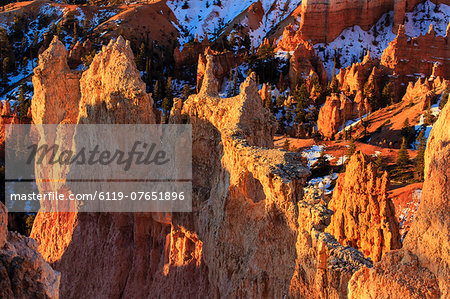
{"x": 247, "y": 201}
{"x": 421, "y": 269}
{"x": 305, "y": 65}
{"x": 223, "y": 63}
{"x": 364, "y": 216}
{"x": 427, "y": 54}
{"x": 323, "y": 21}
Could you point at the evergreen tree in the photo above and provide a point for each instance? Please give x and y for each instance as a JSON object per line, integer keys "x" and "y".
{"x": 407, "y": 132}
{"x": 286, "y": 144}
{"x": 157, "y": 92}
{"x": 402, "y": 155}
{"x": 187, "y": 91}
{"x": 169, "y": 89}
{"x": 268, "y": 104}
{"x": 370, "y": 93}
{"x": 235, "y": 83}
{"x": 322, "y": 161}
{"x": 420, "y": 158}
{"x": 140, "y": 58}
{"x": 444, "y": 99}
{"x": 75, "y": 33}
{"x": 289, "y": 115}
{"x": 280, "y": 101}
{"x": 23, "y": 103}
{"x": 351, "y": 148}
{"x": 387, "y": 94}
{"x": 428, "y": 118}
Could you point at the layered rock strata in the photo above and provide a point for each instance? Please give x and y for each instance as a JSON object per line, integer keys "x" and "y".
{"x": 364, "y": 216}
{"x": 247, "y": 200}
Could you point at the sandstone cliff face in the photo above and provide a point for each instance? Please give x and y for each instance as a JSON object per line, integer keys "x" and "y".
{"x": 23, "y": 271}
{"x": 223, "y": 63}
{"x": 52, "y": 103}
{"x": 425, "y": 256}
{"x": 334, "y": 112}
{"x": 190, "y": 52}
{"x": 264, "y": 187}
{"x": 428, "y": 237}
{"x": 304, "y": 65}
{"x": 323, "y": 21}
{"x": 247, "y": 201}
{"x": 364, "y": 216}
{"x": 72, "y": 102}
{"x": 427, "y": 54}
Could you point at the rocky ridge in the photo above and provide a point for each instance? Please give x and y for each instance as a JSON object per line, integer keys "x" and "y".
{"x": 421, "y": 268}
{"x": 23, "y": 271}
{"x": 241, "y": 184}
{"x": 426, "y": 54}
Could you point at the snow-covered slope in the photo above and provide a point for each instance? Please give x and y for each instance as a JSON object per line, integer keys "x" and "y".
{"x": 354, "y": 42}
{"x": 211, "y": 16}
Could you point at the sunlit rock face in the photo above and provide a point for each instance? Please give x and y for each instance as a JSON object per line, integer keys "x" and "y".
{"x": 426, "y": 54}
{"x": 421, "y": 268}
{"x": 247, "y": 200}
{"x": 364, "y": 216}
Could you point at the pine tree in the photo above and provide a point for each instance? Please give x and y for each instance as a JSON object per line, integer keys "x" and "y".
{"x": 407, "y": 132}
{"x": 351, "y": 148}
{"x": 370, "y": 93}
{"x": 420, "y": 158}
{"x": 235, "y": 83}
{"x": 387, "y": 94}
{"x": 280, "y": 101}
{"x": 140, "y": 58}
{"x": 157, "y": 92}
{"x": 75, "y": 33}
{"x": 286, "y": 144}
{"x": 428, "y": 118}
{"x": 444, "y": 99}
{"x": 169, "y": 89}
{"x": 268, "y": 104}
{"x": 23, "y": 103}
{"x": 289, "y": 115}
{"x": 402, "y": 155}
{"x": 187, "y": 91}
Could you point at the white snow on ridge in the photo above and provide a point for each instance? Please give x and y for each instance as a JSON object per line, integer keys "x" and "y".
{"x": 353, "y": 42}
{"x": 206, "y": 17}
{"x": 418, "y": 21}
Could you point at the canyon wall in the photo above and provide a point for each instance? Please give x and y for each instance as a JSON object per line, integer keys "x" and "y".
{"x": 323, "y": 21}
{"x": 426, "y": 54}
{"x": 247, "y": 200}
{"x": 421, "y": 268}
